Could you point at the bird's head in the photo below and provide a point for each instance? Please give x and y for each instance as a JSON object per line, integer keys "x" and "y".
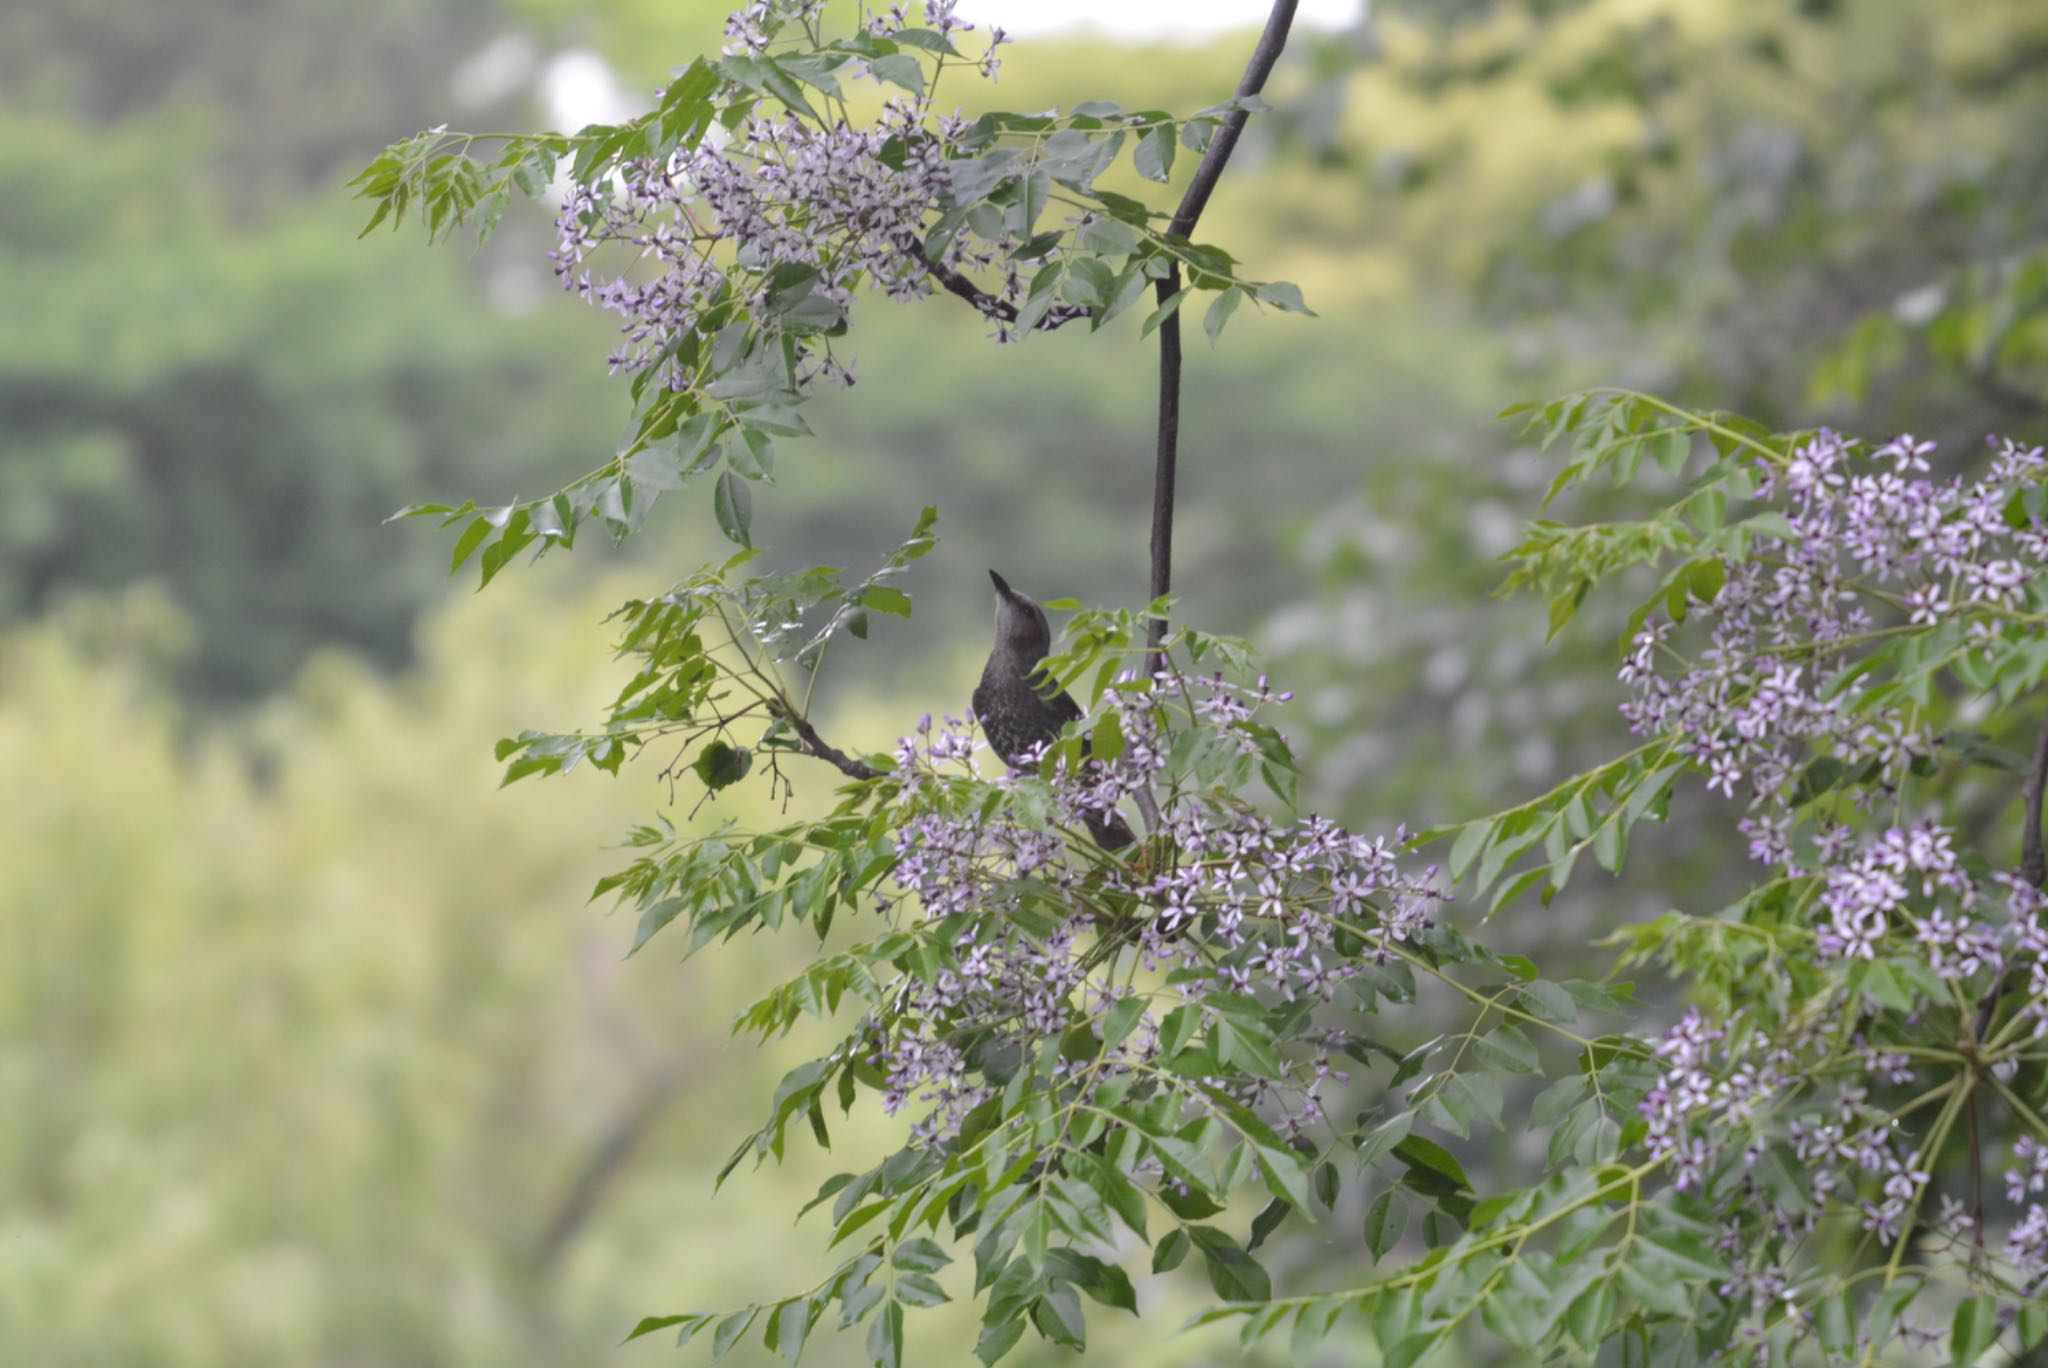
{"x": 1021, "y": 628}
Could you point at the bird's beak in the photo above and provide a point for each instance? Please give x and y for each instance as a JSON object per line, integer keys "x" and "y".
{"x": 1002, "y": 585}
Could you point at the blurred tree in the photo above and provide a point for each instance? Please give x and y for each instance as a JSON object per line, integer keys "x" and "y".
{"x": 205, "y": 381}
{"x": 283, "y": 92}
{"x": 307, "y": 1058}
{"x": 1713, "y": 197}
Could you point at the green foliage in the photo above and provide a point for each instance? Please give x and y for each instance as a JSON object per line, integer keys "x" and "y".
{"x": 1786, "y": 206}
{"x": 731, "y": 385}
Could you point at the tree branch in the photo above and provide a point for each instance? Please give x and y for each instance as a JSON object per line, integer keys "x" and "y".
{"x": 990, "y": 306}
{"x": 2033, "y": 867}
{"x": 1166, "y": 457}
{"x": 816, "y": 745}
{"x": 1271, "y": 42}
{"x": 2003, "y": 392}
{"x": 2033, "y": 858}
{"x": 605, "y": 1164}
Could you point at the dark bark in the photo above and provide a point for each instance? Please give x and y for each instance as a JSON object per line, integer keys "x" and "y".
{"x": 1166, "y": 456}
{"x": 2033, "y": 859}
{"x": 992, "y": 307}
{"x": 816, "y": 745}
{"x": 2034, "y": 869}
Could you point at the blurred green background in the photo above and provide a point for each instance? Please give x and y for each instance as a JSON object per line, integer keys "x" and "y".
{"x": 311, "y": 1052}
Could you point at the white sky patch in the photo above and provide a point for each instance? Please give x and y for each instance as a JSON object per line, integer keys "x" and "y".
{"x": 581, "y": 88}
{"x": 1182, "y": 20}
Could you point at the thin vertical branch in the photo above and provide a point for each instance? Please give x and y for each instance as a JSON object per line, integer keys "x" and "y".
{"x": 2033, "y": 859}
{"x": 2033, "y": 865}
{"x": 2034, "y": 869}
{"x": 1166, "y": 458}
{"x": 1165, "y": 464}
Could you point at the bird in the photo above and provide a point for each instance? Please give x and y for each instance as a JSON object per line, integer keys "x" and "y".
{"x": 1020, "y": 707}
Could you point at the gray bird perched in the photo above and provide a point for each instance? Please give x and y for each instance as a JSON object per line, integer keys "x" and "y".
{"x": 1020, "y": 707}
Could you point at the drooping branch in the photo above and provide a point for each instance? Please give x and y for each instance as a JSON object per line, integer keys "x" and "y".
{"x": 1166, "y": 456}
{"x": 991, "y": 306}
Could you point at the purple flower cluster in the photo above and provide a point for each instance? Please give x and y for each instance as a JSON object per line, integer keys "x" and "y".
{"x": 1726, "y": 1094}
{"x": 2026, "y": 1244}
{"x": 1870, "y": 542}
{"x": 839, "y": 204}
{"x": 1785, "y": 705}
{"x": 1222, "y": 902}
{"x": 1875, "y": 550}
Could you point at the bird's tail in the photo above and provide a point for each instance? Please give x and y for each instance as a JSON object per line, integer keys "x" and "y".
{"x": 1109, "y": 829}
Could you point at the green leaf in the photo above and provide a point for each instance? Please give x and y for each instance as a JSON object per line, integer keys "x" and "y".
{"x": 918, "y": 1289}
{"x": 1423, "y": 1156}
{"x": 1120, "y": 1020}
{"x": 1685, "y": 1254}
{"x": 1590, "y": 1315}
{"x": 1219, "y": 312}
{"x": 1507, "y": 1049}
{"x": 921, "y": 1256}
{"x": 885, "y": 1337}
{"x": 1409, "y": 1351}
{"x": 465, "y": 546}
{"x": 654, "y": 919}
{"x": 1471, "y": 842}
{"x": 998, "y": 1339}
{"x": 1386, "y": 1220}
{"x": 651, "y": 1324}
{"x": 1057, "y": 1314}
{"x": 753, "y": 457}
{"x": 1171, "y": 1250}
{"x": 1974, "y": 1329}
{"x": 1153, "y": 155}
{"x": 1656, "y": 1289}
{"x": 1108, "y": 237}
{"x": 1110, "y": 1184}
{"x": 1610, "y": 843}
{"x": 1547, "y": 1001}
{"x": 1105, "y": 1283}
{"x": 901, "y": 69}
{"x": 1106, "y": 742}
{"x": 1285, "y": 1175}
{"x": 1165, "y": 310}
{"x": 1835, "y": 1321}
{"x": 2032, "y": 1325}
{"x": 791, "y": 1327}
{"x": 729, "y": 1331}
{"x": 733, "y": 504}
{"x": 1387, "y": 1136}
{"x": 884, "y": 599}
{"x": 1268, "y": 1220}
{"x": 1234, "y": 1274}
{"x": 1283, "y": 295}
